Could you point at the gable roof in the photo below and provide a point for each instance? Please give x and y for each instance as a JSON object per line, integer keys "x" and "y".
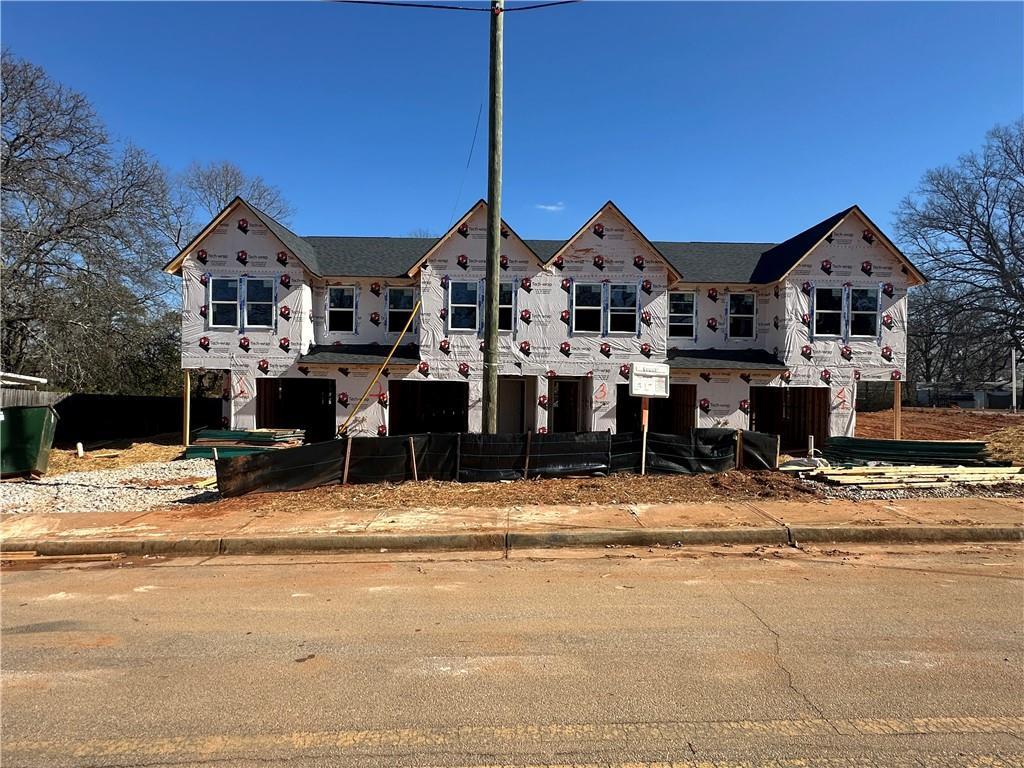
{"x": 479, "y": 204}
{"x": 302, "y": 250}
{"x": 610, "y": 206}
{"x": 694, "y": 262}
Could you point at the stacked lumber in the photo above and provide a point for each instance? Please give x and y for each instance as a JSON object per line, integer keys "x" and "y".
{"x": 241, "y": 442}
{"x": 892, "y": 478}
{"x": 956, "y": 453}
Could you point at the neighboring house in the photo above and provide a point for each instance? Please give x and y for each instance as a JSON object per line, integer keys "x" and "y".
{"x": 759, "y": 336}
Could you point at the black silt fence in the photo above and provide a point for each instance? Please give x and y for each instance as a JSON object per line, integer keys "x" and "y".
{"x": 90, "y": 417}
{"x": 490, "y": 458}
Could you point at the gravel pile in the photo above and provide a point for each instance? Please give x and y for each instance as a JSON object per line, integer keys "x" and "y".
{"x": 128, "y": 489}
{"x": 953, "y": 491}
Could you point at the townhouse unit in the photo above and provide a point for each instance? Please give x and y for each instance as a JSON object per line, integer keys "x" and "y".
{"x": 772, "y": 337}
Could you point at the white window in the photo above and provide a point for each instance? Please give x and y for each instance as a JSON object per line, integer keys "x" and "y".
{"x": 400, "y": 304}
{"x": 259, "y": 303}
{"x": 224, "y": 302}
{"x": 828, "y": 311}
{"x": 341, "y": 309}
{"x": 462, "y": 306}
{"x": 742, "y": 308}
{"x": 680, "y": 314}
{"x": 622, "y": 308}
{"x": 586, "y": 315}
{"x": 864, "y": 312}
{"x": 505, "y": 293}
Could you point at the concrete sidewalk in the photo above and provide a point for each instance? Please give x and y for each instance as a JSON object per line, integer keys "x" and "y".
{"x": 194, "y": 530}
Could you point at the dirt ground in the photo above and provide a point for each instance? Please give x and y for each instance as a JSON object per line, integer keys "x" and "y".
{"x": 114, "y": 454}
{"x": 618, "y": 489}
{"x": 1004, "y": 431}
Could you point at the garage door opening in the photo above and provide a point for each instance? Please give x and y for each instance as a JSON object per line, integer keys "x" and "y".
{"x": 672, "y": 415}
{"x": 297, "y": 404}
{"x": 428, "y": 406}
{"x": 792, "y": 413}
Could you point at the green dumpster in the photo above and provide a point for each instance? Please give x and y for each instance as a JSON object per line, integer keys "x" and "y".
{"x": 26, "y": 436}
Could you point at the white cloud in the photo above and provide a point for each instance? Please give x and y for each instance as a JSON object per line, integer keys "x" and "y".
{"x": 553, "y": 208}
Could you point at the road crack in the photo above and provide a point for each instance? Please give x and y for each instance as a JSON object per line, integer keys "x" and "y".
{"x": 777, "y": 659}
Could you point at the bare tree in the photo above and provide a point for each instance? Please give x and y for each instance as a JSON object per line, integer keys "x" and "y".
{"x": 214, "y": 185}
{"x": 421, "y": 232}
{"x": 82, "y": 245}
{"x": 964, "y": 226}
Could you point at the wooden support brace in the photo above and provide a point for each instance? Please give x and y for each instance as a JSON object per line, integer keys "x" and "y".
{"x": 348, "y": 455}
{"x": 412, "y": 455}
{"x": 526, "y": 461}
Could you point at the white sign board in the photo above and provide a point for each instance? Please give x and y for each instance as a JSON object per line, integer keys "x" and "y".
{"x": 648, "y": 380}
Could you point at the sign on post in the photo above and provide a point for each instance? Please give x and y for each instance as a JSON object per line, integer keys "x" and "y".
{"x": 648, "y": 380}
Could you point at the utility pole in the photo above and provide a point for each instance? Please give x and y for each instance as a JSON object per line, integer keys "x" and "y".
{"x": 490, "y": 425}
{"x": 1013, "y": 375}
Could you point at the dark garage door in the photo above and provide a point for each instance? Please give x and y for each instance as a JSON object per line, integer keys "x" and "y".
{"x": 428, "y": 406}
{"x": 672, "y": 415}
{"x": 297, "y": 404}
{"x": 792, "y": 413}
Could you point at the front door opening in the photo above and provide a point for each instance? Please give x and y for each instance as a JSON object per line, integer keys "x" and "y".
{"x": 516, "y": 397}
{"x": 792, "y": 413}
{"x": 568, "y": 405}
{"x": 672, "y": 415}
{"x": 416, "y": 407}
{"x": 306, "y": 403}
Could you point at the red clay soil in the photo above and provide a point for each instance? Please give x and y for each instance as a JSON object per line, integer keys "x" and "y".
{"x": 937, "y": 423}
{"x": 617, "y": 489}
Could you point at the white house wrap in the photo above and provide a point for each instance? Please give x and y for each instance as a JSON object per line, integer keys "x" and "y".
{"x": 822, "y": 310}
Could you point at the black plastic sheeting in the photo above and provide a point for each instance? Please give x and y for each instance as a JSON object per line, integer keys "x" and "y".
{"x": 287, "y": 469}
{"x": 490, "y": 458}
{"x": 580, "y": 453}
{"x": 760, "y": 450}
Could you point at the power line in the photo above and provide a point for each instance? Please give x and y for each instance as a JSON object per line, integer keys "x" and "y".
{"x": 445, "y": 7}
{"x": 469, "y": 159}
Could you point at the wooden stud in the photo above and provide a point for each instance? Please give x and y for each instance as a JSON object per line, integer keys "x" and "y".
{"x": 412, "y": 454}
{"x": 526, "y": 461}
{"x": 348, "y": 455}
{"x": 897, "y": 410}
{"x": 739, "y": 449}
{"x": 186, "y": 396}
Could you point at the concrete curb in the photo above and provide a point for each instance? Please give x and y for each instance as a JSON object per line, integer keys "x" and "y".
{"x": 499, "y": 541}
{"x": 902, "y": 534}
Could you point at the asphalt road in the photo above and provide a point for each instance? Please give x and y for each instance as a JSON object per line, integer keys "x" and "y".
{"x": 900, "y": 656}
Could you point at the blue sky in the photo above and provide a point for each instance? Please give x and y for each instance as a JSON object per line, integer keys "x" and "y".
{"x": 720, "y": 121}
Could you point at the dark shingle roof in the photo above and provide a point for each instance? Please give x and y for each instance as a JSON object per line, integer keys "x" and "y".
{"x": 697, "y": 262}
{"x": 368, "y": 256}
{"x": 360, "y": 354}
{"x": 748, "y": 359}
{"x": 776, "y": 262}
{"x": 714, "y": 262}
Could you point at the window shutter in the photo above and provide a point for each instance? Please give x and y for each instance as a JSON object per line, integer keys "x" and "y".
{"x": 755, "y": 315}
{"x": 696, "y": 318}
{"x": 480, "y": 308}
{"x": 355, "y": 309}
{"x": 725, "y": 331}
{"x": 327, "y": 308}
{"x": 572, "y": 304}
{"x": 844, "y": 322}
{"x": 208, "y": 298}
{"x": 606, "y": 303}
{"x": 241, "y": 304}
{"x": 446, "y": 290}
{"x": 810, "y": 311}
{"x": 276, "y": 314}
{"x": 515, "y": 308}
{"x": 639, "y": 307}
{"x": 878, "y": 315}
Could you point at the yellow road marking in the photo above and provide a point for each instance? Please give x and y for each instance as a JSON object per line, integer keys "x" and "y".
{"x": 520, "y": 736}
